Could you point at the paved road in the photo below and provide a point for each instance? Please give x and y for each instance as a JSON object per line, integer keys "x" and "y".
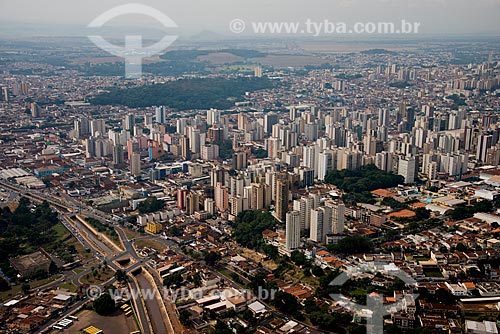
{"x": 140, "y": 311}
{"x": 153, "y": 309}
{"x": 80, "y": 227}
{"x": 175, "y": 325}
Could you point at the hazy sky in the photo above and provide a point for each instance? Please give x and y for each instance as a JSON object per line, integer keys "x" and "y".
{"x": 192, "y": 16}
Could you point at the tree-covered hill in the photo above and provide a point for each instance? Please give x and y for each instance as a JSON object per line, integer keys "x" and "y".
{"x": 366, "y": 178}
{"x": 183, "y": 94}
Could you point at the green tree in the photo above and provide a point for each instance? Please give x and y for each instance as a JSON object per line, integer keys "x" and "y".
{"x": 211, "y": 258}
{"x": 249, "y": 225}
{"x": 4, "y": 285}
{"x": 197, "y": 93}
{"x": 422, "y": 214}
{"x": 357, "y": 329}
{"x": 222, "y": 328}
{"x": 317, "y": 271}
{"x": 25, "y": 287}
{"x": 286, "y": 303}
{"x": 184, "y": 316}
{"x": 175, "y": 231}
{"x": 361, "y": 197}
{"x": 366, "y": 178}
{"x": 352, "y": 245}
{"x": 173, "y": 280}
{"x": 393, "y": 329}
{"x": 298, "y": 258}
{"x": 467, "y": 211}
{"x": 104, "y": 304}
{"x": 197, "y": 280}
{"x": 226, "y": 149}
{"x": 444, "y": 296}
{"x": 260, "y": 153}
{"x": 329, "y": 322}
{"x": 25, "y": 229}
{"x": 151, "y": 204}
{"x": 271, "y": 251}
{"x": 121, "y": 275}
{"x": 394, "y": 204}
{"x": 53, "y": 267}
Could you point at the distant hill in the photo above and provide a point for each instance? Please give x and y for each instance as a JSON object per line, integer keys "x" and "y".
{"x": 378, "y": 52}
{"x": 178, "y": 55}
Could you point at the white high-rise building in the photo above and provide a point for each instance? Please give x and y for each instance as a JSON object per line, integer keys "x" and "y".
{"x": 181, "y": 126}
{"x": 194, "y": 136}
{"x": 304, "y": 206}
{"x": 483, "y": 144}
{"x": 293, "y": 113}
{"x": 149, "y": 120}
{"x": 210, "y": 152}
{"x": 309, "y": 158}
{"x": 292, "y": 230}
{"x": 316, "y": 232}
{"x": 432, "y": 170}
{"x": 209, "y": 205}
{"x": 324, "y": 164}
{"x": 383, "y": 161}
{"x": 406, "y": 168}
{"x": 454, "y": 164}
{"x": 236, "y": 185}
{"x": 257, "y": 71}
{"x": 160, "y": 114}
{"x": 420, "y": 137}
{"x": 114, "y": 137}
{"x": 370, "y": 145}
{"x": 384, "y": 117}
{"x": 321, "y": 223}
{"x": 213, "y": 116}
{"x": 129, "y": 122}
{"x": 300, "y": 206}
{"x": 338, "y": 217}
{"x": 428, "y": 110}
{"x": 347, "y": 159}
{"x": 236, "y": 205}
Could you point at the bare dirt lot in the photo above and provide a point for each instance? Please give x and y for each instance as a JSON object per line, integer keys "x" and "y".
{"x": 257, "y": 257}
{"x": 117, "y": 323}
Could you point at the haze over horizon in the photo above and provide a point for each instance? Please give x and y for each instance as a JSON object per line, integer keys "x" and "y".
{"x": 438, "y": 17}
